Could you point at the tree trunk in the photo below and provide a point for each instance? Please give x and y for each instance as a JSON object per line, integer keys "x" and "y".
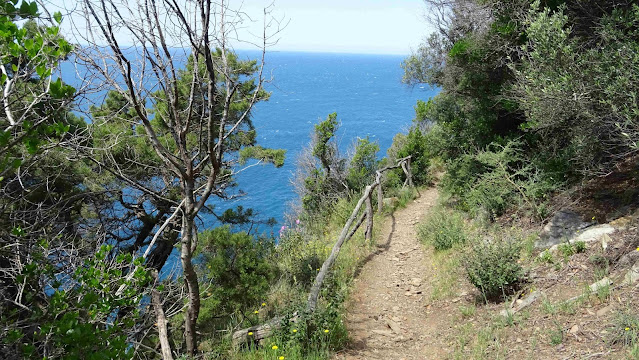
{"x": 161, "y": 320}
{"x": 192, "y": 285}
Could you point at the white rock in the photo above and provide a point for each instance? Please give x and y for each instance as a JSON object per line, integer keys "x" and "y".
{"x": 633, "y": 274}
{"x": 599, "y": 284}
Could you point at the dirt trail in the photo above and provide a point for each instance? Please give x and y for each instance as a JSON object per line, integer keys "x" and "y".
{"x": 388, "y": 313}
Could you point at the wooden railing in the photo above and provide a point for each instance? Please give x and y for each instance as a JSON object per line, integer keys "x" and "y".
{"x": 265, "y": 330}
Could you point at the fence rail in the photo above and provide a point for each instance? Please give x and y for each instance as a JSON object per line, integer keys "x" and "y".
{"x": 265, "y": 330}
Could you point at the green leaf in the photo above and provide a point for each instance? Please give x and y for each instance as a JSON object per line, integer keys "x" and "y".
{"x": 25, "y": 9}
{"x": 58, "y": 17}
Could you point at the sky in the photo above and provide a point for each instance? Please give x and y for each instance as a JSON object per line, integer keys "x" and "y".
{"x": 349, "y": 26}
{"x": 353, "y": 26}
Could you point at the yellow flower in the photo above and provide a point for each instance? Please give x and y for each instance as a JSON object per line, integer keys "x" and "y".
{"x": 263, "y": 304}
{"x": 593, "y": 218}
{"x": 281, "y": 358}
{"x": 256, "y": 311}
{"x": 274, "y": 347}
{"x": 250, "y": 333}
{"x": 294, "y": 330}
{"x": 627, "y": 328}
{"x": 325, "y": 331}
{"x": 637, "y": 249}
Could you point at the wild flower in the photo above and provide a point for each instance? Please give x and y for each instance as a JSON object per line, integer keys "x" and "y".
{"x": 281, "y": 358}
{"x": 294, "y": 330}
{"x": 325, "y": 331}
{"x": 256, "y": 312}
{"x": 250, "y": 333}
{"x": 263, "y": 304}
{"x": 274, "y": 347}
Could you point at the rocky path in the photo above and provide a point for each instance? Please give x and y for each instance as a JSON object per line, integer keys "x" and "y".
{"x": 388, "y": 314}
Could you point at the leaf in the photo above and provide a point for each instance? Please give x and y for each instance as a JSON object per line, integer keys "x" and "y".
{"x": 57, "y": 16}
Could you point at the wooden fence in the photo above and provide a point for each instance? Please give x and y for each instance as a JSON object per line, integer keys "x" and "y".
{"x": 265, "y": 330}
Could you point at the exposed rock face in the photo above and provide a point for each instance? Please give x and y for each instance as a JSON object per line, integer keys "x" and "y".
{"x": 563, "y": 227}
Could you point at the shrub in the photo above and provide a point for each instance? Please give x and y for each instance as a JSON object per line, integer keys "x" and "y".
{"x": 235, "y": 271}
{"x": 625, "y": 328}
{"x": 443, "y": 229}
{"x": 362, "y": 165}
{"x": 493, "y": 267}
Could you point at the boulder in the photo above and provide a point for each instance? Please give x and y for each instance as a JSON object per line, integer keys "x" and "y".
{"x": 562, "y": 227}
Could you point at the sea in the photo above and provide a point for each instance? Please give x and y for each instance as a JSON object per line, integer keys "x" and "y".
{"x": 364, "y": 90}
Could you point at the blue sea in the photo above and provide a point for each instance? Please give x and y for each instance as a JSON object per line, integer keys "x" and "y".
{"x": 365, "y": 91}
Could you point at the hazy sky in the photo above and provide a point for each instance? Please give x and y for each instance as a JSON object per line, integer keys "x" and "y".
{"x": 353, "y": 26}
{"x": 368, "y": 26}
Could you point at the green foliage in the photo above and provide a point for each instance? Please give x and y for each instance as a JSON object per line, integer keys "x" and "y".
{"x": 570, "y": 249}
{"x": 302, "y": 258}
{"x": 83, "y": 315}
{"x": 362, "y": 165}
{"x": 443, "y": 229}
{"x": 236, "y": 270}
{"x": 625, "y": 329}
{"x": 581, "y": 99}
{"x": 325, "y": 184}
{"x": 493, "y": 267}
{"x": 274, "y": 156}
{"x": 324, "y": 149}
{"x": 30, "y": 51}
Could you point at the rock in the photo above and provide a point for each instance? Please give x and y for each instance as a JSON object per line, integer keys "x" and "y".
{"x": 594, "y": 233}
{"x": 603, "y": 311}
{"x": 574, "y": 329}
{"x": 521, "y": 304}
{"x": 632, "y": 275}
{"x": 629, "y": 259}
{"x": 591, "y": 234}
{"x": 599, "y": 284}
{"x": 563, "y": 225}
{"x": 623, "y": 222}
{"x": 605, "y": 240}
{"x": 416, "y": 281}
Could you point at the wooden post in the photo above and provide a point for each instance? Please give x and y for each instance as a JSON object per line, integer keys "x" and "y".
{"x": 369, "y": 216}
{"x": 380, "y": 195}
{"x": 410, "y": 173}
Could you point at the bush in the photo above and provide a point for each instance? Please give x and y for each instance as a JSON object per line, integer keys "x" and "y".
{"x": 443, "y": 230}
{"x": 493, "y": 267}
{"x": 235, "y": 271}
{"x": 362, "y": 165}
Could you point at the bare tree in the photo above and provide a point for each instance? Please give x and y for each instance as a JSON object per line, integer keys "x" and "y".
{"x": 190, "y": 102}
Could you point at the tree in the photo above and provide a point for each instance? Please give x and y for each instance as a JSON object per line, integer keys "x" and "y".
{"x": 196, "y": 121}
